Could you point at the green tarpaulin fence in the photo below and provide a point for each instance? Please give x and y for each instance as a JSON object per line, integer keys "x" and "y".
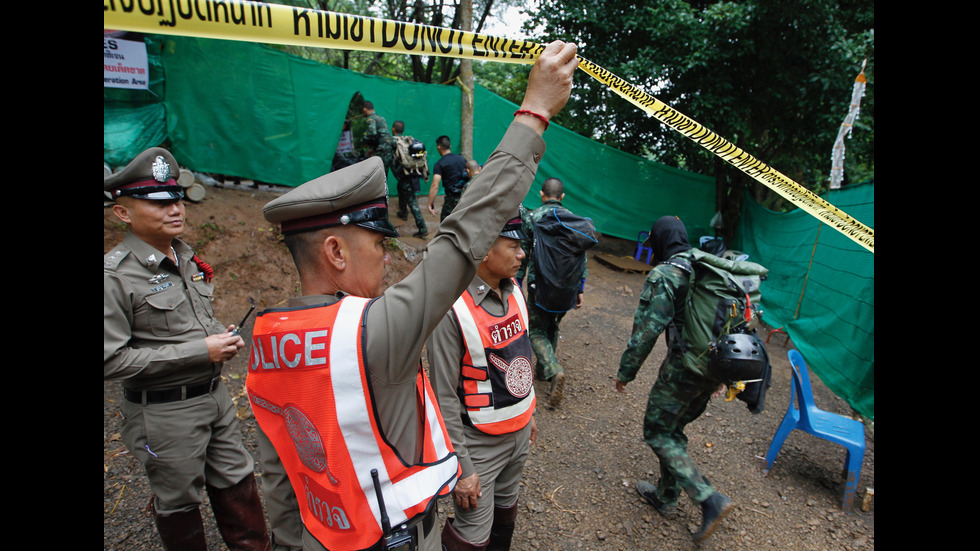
{"x": 821, "y": 290}
{"x": 253, "y": 111}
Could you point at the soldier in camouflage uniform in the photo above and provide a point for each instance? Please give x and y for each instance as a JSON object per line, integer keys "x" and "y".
{"x": 377, "y": 136}
{"x": 543, "y": 330}
{"x": 680, "y": 394}
{"x": 408, "y": 186}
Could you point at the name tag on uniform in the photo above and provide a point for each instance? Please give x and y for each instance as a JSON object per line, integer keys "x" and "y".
{"x": 162, "y": 287}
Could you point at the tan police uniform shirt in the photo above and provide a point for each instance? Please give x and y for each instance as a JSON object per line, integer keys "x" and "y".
{"x": 156, "y": 316}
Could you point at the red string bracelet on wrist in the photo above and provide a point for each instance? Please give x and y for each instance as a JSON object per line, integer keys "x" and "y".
{"x": 533, "y": 114}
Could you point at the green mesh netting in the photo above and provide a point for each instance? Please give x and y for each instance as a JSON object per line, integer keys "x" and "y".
{"x": 821, "y": 290}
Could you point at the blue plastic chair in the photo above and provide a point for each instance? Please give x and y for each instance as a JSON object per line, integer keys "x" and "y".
{"x": 829, "y": 426}
{"x": 640, "y": 249}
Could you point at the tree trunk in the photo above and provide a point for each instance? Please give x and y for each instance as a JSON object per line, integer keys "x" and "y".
{"x": 466, "y": 86}
{"x": 729, "y": 184}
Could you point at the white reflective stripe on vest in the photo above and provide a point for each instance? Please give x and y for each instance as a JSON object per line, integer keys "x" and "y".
{"x": 474, "y": 344}
{"x": 432, "y": 477}
{"x": 355, "y": 424}
{"x": 473, "y": 341}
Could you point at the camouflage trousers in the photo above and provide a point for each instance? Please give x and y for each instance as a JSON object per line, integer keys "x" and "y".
{"x": 407, "y": 201}
{"x": 678, "y": 397}
{"x": 448, "y": 204}
{"x": 543, "y": 332}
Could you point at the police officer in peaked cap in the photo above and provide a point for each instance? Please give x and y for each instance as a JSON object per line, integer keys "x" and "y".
{"x": 163, "y": 343}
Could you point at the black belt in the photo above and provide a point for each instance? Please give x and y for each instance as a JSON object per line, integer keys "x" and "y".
{"x": 176, "y": 394}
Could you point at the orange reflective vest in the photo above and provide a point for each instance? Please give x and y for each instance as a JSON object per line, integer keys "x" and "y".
{"x": 496, "y": 378}
{"x": 310, "y": 393}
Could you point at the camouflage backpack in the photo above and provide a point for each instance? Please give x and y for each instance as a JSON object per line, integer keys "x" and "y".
{"x": 720, "y": 318}
{"x": 410, "y": 155}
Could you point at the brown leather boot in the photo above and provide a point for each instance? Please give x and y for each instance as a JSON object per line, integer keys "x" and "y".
{"x": 453, "y": 541}
{"x": 238, "y": 511}
{"x": 502, "y": 530}
{"x": 182, "y": 531}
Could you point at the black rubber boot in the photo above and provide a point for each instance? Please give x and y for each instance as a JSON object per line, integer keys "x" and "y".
{"x": 649, "y": 493}
{"x": 713, "y": 510}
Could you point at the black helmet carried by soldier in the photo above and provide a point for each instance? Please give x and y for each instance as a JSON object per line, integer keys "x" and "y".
{"x": 737, "y": 357}
{"x": 416, "y": 149}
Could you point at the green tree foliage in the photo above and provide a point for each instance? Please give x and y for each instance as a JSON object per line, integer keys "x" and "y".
{"x": 507, "y": 80}
{"x": 772, "y": 76}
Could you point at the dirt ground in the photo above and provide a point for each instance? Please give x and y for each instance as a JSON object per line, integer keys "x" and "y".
{"x": 579, "y": 482}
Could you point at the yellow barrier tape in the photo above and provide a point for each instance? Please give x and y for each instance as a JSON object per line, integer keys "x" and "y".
{"x": 279, "y": 24}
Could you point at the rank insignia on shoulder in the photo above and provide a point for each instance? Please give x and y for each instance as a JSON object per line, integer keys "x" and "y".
{"x": 199, "y": 276}
{"x": 111, "y": 259}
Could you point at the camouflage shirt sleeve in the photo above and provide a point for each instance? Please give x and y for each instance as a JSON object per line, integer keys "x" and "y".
{"x": 654, "y": 313}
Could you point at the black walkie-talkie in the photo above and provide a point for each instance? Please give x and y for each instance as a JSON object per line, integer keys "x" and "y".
{"x": 400, "y": 540}
{"x": 238, "y": 329}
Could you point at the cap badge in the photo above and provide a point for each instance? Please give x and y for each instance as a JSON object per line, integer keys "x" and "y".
{"x": 161, "y": 170}
{"x": 345, "y": 219}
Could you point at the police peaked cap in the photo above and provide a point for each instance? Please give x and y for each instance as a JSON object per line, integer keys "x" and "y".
{"x": 513, "y": 229}
{"x": 355, "y": 195}
{"x": 151, "y": 175}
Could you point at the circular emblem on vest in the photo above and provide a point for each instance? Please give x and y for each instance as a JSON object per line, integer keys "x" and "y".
{"x": 520, "y": 377}
{"x": 309, "y": 445}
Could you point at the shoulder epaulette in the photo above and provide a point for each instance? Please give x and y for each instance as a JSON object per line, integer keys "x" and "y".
{"x": 112, "y": 258}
